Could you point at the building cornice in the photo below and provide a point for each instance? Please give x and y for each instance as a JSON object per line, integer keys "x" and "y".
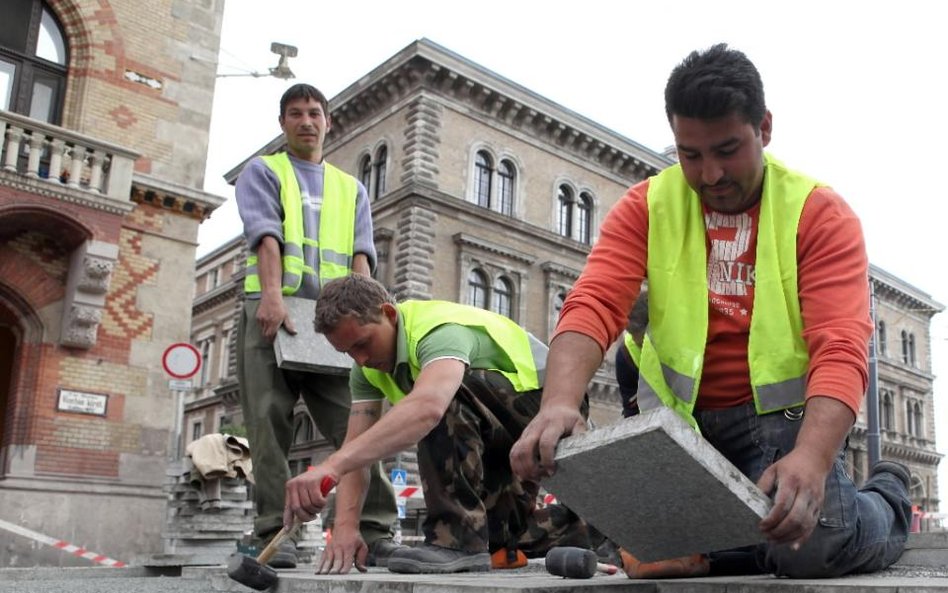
{"x": 219, "y": 296}
{"x": 906, "y": 296}
{"x": 176, "y": 198}
{"x": 64, "y": 193}
{"x": 426, "y": 67}
{"x": 551, "y": 267}
{"x": 447, "y": 204}
{"x": 466, "y": 240}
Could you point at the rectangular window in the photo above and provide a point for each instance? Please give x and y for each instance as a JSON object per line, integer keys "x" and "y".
{"x": 224, "y": 369}
{"x": 41, "y": 105}
{"x": 7, "y": 72}
{"x": 197, "y": 430}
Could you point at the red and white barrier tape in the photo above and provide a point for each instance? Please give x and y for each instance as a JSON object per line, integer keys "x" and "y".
{"x": 62, "y": 545}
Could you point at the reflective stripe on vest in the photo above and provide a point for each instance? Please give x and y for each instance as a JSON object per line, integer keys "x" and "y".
{"x": 421, "y": 317}
{"x": 672, "y": 355}
{"x": 336, "y": 228}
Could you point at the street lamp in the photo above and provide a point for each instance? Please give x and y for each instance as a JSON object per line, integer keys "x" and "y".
{"x": 281, "y": 70}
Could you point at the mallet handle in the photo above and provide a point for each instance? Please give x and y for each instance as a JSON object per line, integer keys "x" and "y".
{"x": 324, "y": 487}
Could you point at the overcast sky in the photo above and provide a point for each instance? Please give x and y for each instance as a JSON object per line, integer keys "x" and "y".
{"x": 856, "y": 91}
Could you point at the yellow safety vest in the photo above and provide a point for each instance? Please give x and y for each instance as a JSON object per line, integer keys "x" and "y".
{"x": 336, "y": 227}
{"x": 419, "y": 318}
{"x": 672, "y": 355}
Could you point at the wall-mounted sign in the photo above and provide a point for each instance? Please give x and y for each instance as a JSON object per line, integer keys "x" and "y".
{"x": 81, "y": 402}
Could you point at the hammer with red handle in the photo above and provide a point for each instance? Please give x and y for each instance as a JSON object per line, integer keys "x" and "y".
{"x": 254, "y": 572}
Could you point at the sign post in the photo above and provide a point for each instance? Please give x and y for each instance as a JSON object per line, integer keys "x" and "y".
{"x": 181, "y": 361}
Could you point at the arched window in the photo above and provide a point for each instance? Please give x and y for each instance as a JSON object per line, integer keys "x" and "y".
{"x": 302, "y": 429}
{"x": 584, "y": 223}
{"x": 204, "y": 375}
{"x": 483, "y": 167}
{"x": 365, "y": 173}
{"x": 905, "y": 347}
{"x": 564, "y": 218}
{"x": 501, "y": 296}
{"x": 911, "y": 350}
{"x": 33, "y": 60}
{"x": 505, "y": 186}
{"x": 381, "y": 160}
{"x": 477, "y": 289}
{"x": 887, "y": 410}
{"x": 556, "y": 308}
{"x": 881, "y": 348}
{"x": 917, "y": 413}
{"x": 909, "y": 418}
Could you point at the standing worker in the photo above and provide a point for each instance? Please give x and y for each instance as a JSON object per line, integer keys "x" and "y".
{"x": 463, "y": 382}
{"x": 306, "y": 222}
{"x": 758, "y": 327}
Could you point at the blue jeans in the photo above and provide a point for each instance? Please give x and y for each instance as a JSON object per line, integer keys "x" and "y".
{"x": 860, "y": 530}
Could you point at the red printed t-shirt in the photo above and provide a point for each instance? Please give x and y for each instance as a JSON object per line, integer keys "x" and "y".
{"x": 832, "y": 270}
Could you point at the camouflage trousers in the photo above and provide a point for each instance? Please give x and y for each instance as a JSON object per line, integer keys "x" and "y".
{"x": 475, "y": 503}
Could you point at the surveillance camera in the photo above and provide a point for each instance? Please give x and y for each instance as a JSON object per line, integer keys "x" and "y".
{"x": 283, "y": 49}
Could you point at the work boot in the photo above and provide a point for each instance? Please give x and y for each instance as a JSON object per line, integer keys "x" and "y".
{"x": 895, "y": 468}
{"x": 285, "y": 556}
{"x": 507, "y": 558}
{"x": 380, "y": 550}
{"x": 696, "y": 565}
{"x": 432, "y": 559}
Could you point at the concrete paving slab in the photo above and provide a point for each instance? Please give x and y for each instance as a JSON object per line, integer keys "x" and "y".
{"x": 307, "y": 350}
{"x": 532, "y": 579}
{"x": 657, "y": 488}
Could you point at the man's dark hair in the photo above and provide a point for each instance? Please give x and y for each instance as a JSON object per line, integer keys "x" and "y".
{"x": 302, "y": 91}
{"x": 715, "y": 83}
{"x": 356, "y": 296}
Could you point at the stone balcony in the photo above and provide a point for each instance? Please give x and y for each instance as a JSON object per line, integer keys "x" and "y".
{"x": 75, "y": 167}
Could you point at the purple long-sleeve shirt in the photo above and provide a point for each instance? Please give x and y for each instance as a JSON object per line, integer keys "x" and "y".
{"x": 258, "y": 202}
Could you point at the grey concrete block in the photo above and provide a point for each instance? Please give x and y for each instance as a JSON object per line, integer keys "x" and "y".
{"x": 307, "y": 350}
{"x": 929, "y": 540}
{"x": 657, "y": 488}
{"x": 934, "y": 558}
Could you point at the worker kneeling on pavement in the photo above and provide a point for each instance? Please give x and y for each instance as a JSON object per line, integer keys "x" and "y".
{"x": 463, "y": 382}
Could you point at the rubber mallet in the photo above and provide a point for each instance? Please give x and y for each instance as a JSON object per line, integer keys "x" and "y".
{"x": 575, "y": 563}
{"x": 254, "y": 572}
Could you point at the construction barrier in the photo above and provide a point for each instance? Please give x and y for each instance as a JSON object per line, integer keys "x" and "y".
{"x": 59, "y": 544}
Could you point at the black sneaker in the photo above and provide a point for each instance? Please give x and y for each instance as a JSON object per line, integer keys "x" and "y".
{"x": 895, "y": 468}
{"x": 431, "y": 559}
{"x": 380, "y": 550}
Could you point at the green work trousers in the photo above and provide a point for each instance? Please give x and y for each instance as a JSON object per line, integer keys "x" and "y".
{"x": 267, "y": 397}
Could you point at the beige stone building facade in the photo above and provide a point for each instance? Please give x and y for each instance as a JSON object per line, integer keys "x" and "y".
{"x": 104, "y": 118}
{"x": 488, "y": 194}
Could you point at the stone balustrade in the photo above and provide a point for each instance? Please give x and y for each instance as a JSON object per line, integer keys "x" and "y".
{"x": 38, "y": 150}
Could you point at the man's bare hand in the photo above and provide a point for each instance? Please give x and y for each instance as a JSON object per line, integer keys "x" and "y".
{"x": 345, "y": 549}
{"x": 304, "y": 493}
{"x": 798, "y": 485}
{"x": 271, "y": 314}
{"x": 531, "y": 457}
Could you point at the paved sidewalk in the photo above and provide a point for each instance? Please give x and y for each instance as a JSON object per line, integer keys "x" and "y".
{"x": 922, "y": 569}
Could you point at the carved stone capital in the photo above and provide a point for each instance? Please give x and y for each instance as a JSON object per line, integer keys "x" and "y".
{"x": 90, "y": 273}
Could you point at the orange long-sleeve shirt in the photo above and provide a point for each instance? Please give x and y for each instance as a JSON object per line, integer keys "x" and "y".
{"x": 832, "y": 269}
